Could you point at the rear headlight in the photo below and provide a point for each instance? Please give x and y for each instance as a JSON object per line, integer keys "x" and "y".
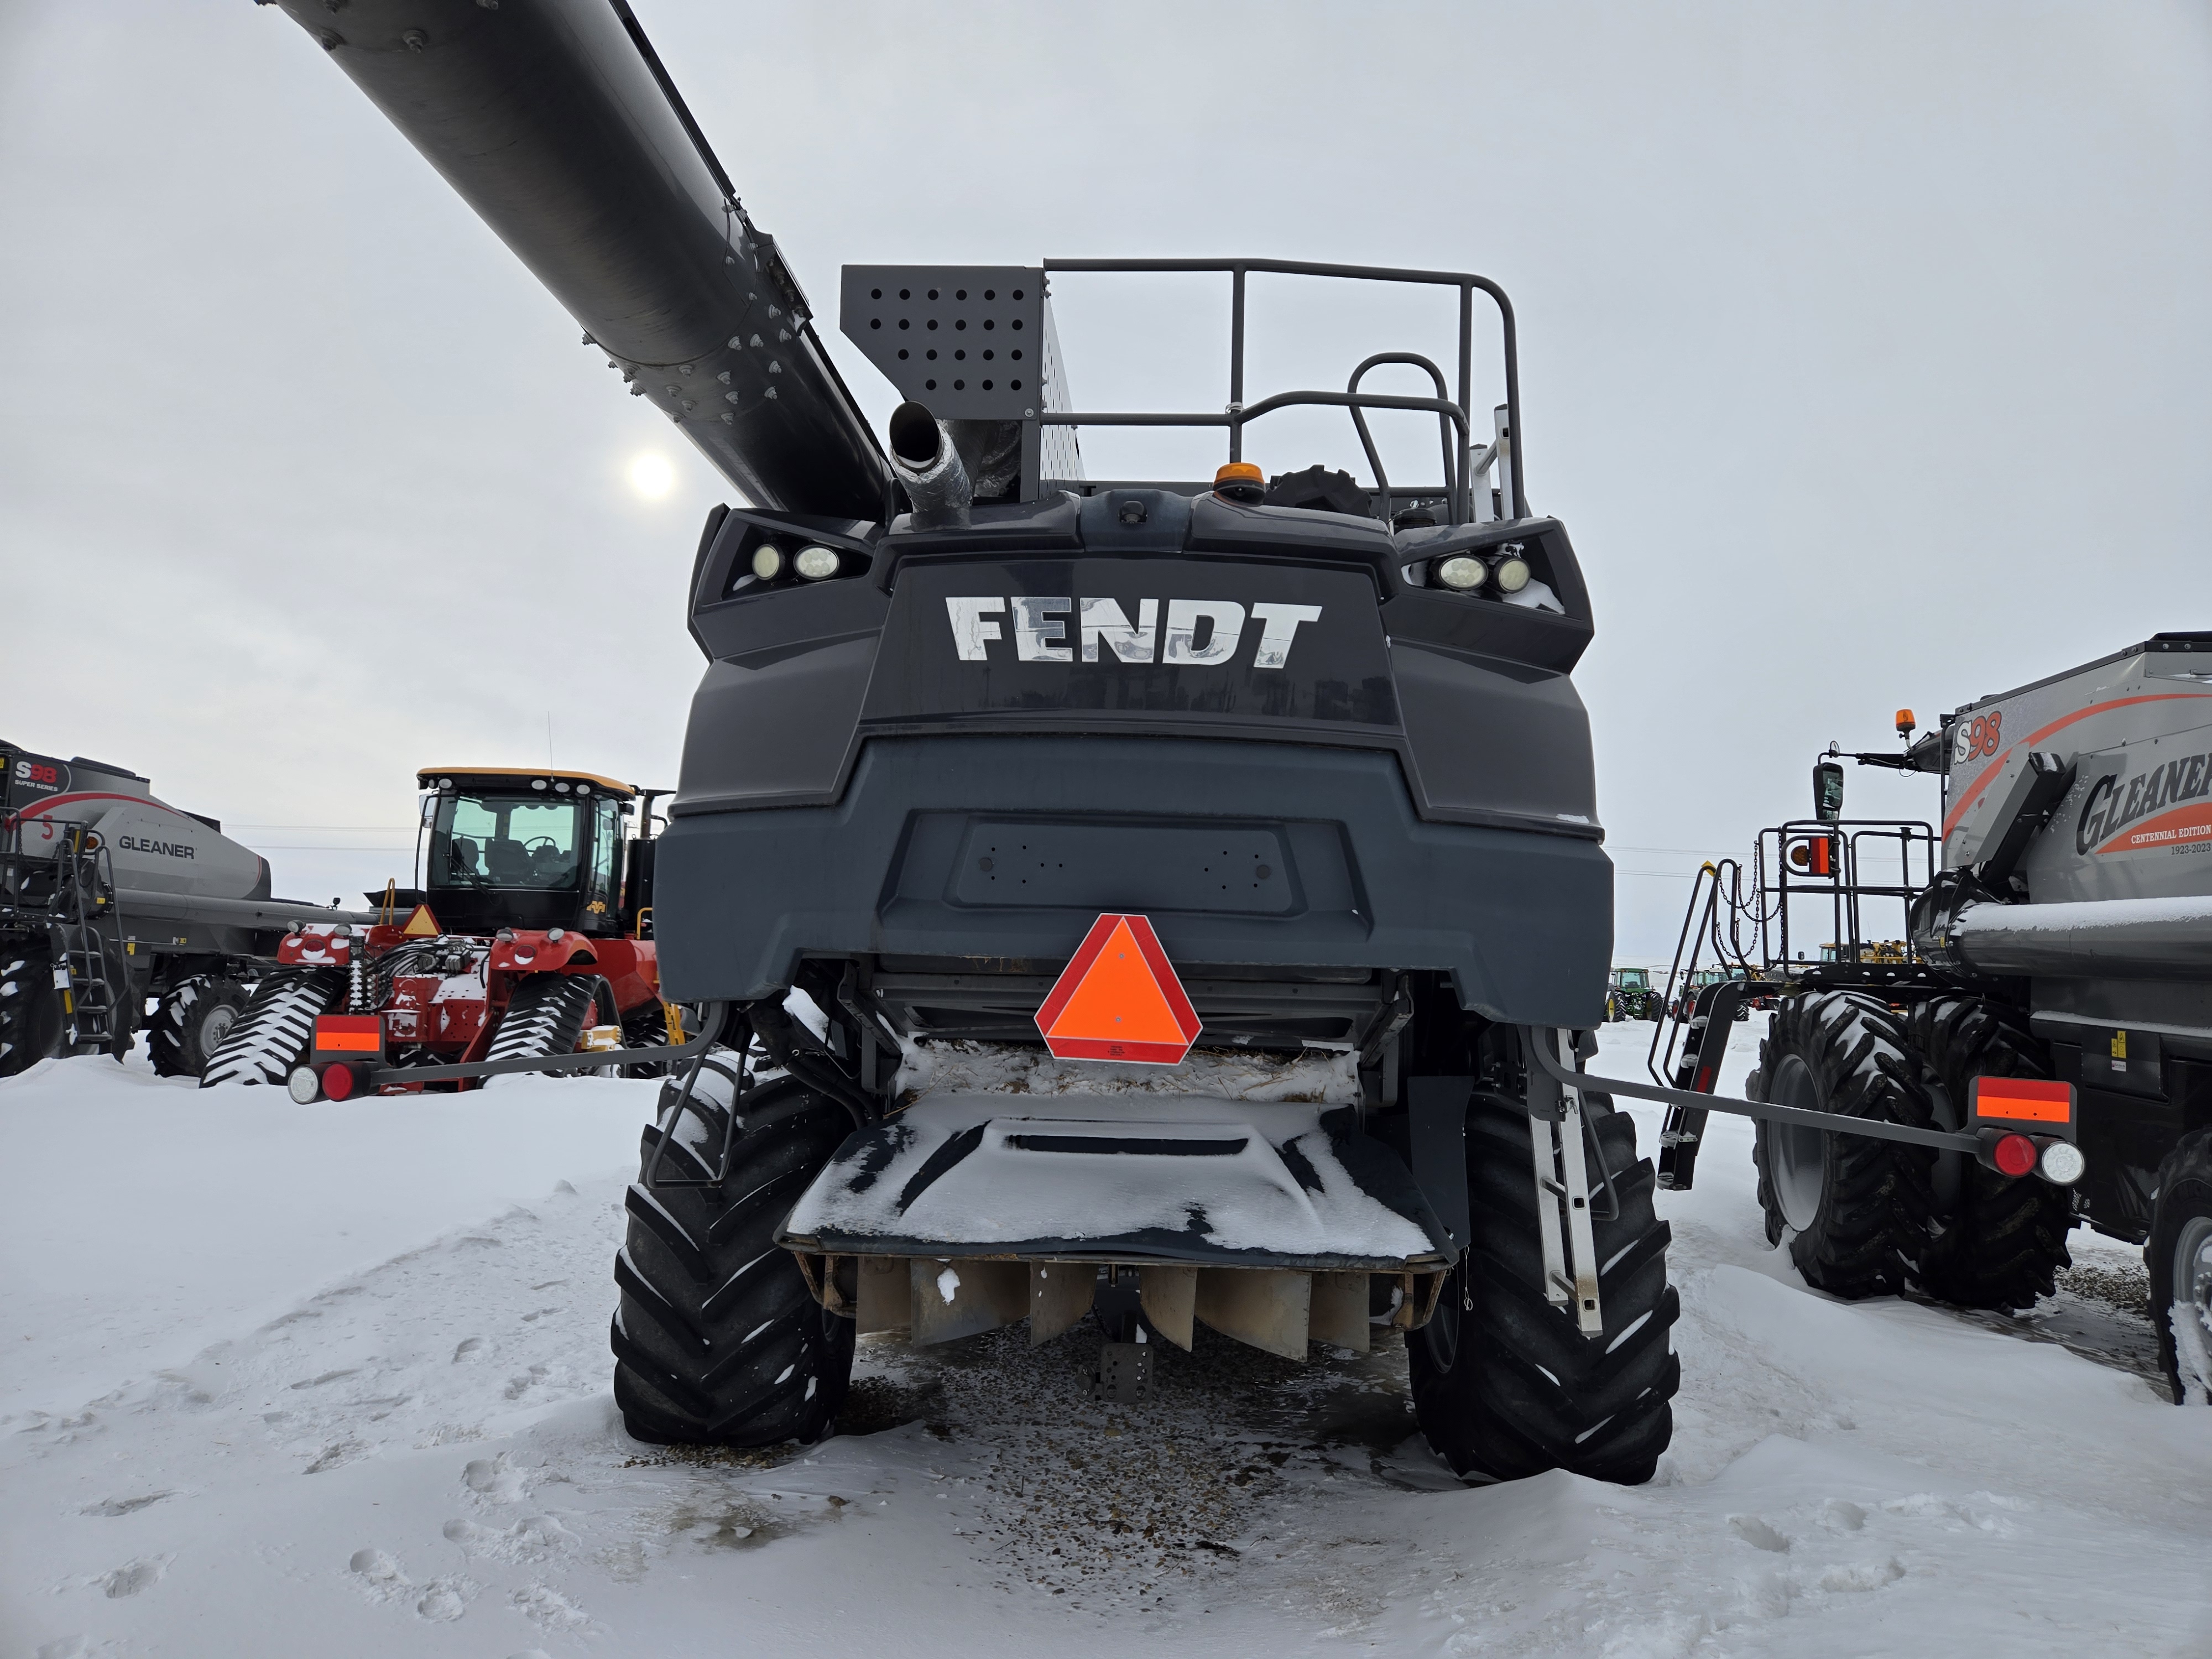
{"x": 303, "y": 1085}
{"x": 816, "y": 564}
{"x": 768, "y": 562}
{"x": 2061, "y": 1164}
{"x": 1462, "y": 572}
{"x": 1511, "y": 572}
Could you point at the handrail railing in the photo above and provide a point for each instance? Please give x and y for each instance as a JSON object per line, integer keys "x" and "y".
{"x": 1237, "y": 415}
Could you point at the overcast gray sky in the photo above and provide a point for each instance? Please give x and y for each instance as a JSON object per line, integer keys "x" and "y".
{"x": 1865, "y": 351}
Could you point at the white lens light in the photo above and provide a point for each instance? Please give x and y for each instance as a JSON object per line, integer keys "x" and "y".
{"x": 1462, "y": 573}
{"x": 816, "y": 564}
{"x": 303, "y": 1085}
{"x": 768, "y": 562}
{"x": 1512, "y": 573}
{"x": 2061, "y": 1164}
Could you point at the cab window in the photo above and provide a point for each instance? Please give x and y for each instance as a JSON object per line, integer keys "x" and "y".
{"x": 505, "y": 841}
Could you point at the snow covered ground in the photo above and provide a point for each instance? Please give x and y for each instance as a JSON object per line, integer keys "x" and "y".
{"x": 333, "y": 1380}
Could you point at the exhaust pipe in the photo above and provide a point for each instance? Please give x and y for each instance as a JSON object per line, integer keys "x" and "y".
{"x": 928, "y": 464}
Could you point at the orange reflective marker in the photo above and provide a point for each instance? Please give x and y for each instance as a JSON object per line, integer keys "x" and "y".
{"x": 349, "y": 1034}
{"x": 2022, "y": 1100}
{"x": 1119, "y": 1000}
{"x": 421, "y": 924}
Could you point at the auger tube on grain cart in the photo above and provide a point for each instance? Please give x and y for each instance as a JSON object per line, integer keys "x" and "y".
{"x": 1305, "y": 749}
{"x": 111, "y": 899}
{"x": 2050, "y": 995}
{"x": 528, "y": 939}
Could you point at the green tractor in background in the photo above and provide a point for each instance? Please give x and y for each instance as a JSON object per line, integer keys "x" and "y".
{"x": 1632, "y": 996}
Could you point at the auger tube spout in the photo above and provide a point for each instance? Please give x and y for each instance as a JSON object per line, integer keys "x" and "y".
{"x": 929, "y": 466}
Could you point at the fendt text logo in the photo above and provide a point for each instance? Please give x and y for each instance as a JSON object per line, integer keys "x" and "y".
{"x": 1197, "y": 631}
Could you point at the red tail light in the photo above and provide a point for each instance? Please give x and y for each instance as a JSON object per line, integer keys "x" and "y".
{"x": 2008, "y": 1152}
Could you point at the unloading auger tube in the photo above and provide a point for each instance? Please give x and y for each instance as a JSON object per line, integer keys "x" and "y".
{"x": 557, "y": 122}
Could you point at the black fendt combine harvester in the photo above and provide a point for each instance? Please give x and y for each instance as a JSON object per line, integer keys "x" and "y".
{"x": 961, "y": 705}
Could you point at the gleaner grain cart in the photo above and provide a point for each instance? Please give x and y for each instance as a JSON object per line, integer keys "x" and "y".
{"x": 990, "y": 757}
{"x": 111, "y": 898}
{"x": 530, "y": 937}
{"x": 2054, "y": 997}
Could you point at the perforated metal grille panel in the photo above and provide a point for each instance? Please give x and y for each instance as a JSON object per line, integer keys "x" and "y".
{"x": 970, "y": 342}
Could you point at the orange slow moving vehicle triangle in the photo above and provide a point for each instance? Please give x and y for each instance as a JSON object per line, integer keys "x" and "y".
{"x": 1119, "y": 1000}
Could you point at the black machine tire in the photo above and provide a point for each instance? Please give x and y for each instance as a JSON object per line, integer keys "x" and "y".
{"x": 2179, "y": 1257}
{"x": 277, "y": 1030}
{"x": 1505, "y": 1383}
{"x": 192, "y": 1021}
{"x": 31, "y": 1020}
{"x": 1859, "y": 1206}
{"x": 718, "y": 1340}
{"x": 2004, "y": 1240}
{"x": 545, "y": 1015}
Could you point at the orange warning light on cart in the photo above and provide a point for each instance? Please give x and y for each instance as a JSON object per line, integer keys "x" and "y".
{"x": 1119, "y": 1000}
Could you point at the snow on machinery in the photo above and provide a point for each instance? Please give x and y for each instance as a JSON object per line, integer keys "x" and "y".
{"x": 960, "y": 703}
{"x": 2053, "y": 997}
{"x": 529, "y": 936}
{"x": 110, "y": 899}
{"x": 963, "y": 706}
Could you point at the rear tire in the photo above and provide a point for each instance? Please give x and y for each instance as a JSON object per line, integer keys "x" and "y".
{"x": 2179, "y": 1257}
{"x": 276, "y": 1030}
{"x": 1859, "y": 1207}
{"x": 1505, "y": 1383}
{"x": 718, "y": 1341}
{"x": 31, "y": 1019}
{"x": 2003, "y": 1240}
{"x": 192, "y": 1022}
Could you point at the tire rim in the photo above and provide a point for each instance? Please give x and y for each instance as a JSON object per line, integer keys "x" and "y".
{"x": 216, "y": 1027}
{"x": 2192, "y": 1272}
{"x": 1796, "y": 1157}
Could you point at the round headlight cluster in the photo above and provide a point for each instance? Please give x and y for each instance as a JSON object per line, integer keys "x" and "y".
{"x": 1466, "y": 573}
{"x": 813, "y": 563}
